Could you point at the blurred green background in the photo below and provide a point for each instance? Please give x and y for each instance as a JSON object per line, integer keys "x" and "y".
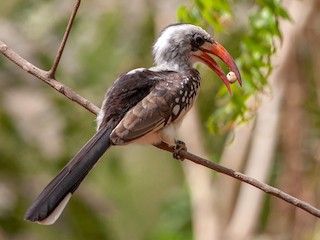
{"x": 140, "y": 192}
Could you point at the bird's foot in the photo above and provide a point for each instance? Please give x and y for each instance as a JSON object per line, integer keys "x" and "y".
{"x": 179, "y": 146}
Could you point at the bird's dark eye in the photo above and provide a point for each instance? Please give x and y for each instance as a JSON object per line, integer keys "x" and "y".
{"x": 197, "y": 41}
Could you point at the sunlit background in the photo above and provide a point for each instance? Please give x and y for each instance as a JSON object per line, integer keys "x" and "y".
{"x": 140, "y": 192}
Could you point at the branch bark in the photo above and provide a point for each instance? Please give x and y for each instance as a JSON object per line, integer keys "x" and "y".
{"x": 46, "y": 76}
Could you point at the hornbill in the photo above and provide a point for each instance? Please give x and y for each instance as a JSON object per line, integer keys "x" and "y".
{"x": 142, "y": 106}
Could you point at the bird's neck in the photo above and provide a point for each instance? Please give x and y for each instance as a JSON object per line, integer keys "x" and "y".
{"x": 173, "y": 61}
{"x": 177, "y": 67}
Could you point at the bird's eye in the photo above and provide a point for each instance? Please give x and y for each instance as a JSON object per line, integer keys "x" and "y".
{"x": 198, "y": 40}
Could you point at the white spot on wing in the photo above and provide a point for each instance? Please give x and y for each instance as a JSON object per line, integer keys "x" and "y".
{"x": 176, "y": 109}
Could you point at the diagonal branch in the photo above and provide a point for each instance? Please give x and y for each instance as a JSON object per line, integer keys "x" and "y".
{"x": 244, "y": 178}
{"x": 55, "y": 64}
{"x": 47, "y": 77}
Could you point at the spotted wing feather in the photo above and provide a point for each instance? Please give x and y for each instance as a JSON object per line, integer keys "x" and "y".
{"x": 159, "y": 107}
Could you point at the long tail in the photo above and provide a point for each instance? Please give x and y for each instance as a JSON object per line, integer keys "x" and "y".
{"x": 50, "y": 203}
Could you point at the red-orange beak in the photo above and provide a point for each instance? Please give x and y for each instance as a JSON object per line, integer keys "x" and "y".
{"x": 218, "y": 50}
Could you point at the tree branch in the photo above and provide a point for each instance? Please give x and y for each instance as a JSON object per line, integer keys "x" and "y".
{"x": 244, "y": 178}
{"x": 47, "y": 77}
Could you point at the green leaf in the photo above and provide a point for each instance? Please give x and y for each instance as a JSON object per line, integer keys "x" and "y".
{"x": 256, "y": 45}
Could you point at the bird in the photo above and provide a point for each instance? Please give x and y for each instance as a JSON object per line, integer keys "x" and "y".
{"x": 143, "y": 106}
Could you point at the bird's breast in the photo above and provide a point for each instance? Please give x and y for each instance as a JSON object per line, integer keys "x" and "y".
{"x": 182, "y": 96}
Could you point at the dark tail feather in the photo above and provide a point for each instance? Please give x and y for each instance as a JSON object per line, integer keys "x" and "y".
{"x": 50, "y": 203}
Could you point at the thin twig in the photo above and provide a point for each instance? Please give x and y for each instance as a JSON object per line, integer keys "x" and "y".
{"x": 69, "y": 93}
{"x": 55, "y": 64}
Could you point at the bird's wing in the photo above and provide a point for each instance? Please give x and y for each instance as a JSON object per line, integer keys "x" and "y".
{"x": 157, "y": 109}
{"x": 148, "y": 115}
{"x": 127, "y": 91}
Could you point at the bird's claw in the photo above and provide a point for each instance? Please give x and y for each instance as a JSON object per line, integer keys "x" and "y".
{"x": 180, "y": 145}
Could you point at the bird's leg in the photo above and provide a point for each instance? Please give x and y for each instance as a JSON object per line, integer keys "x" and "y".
{"x": 180, "y": 145}
{"x": 175, "y": 149}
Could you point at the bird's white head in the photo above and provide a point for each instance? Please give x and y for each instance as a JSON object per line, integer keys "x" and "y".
{"x": 179, "y": 46}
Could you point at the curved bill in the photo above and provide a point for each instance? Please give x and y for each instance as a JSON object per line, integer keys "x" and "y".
{"x": 218, "y": 50}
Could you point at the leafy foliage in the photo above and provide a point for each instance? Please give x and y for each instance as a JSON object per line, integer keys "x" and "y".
{"x": 257, "y": 44}
{"x": 205, "y": 13}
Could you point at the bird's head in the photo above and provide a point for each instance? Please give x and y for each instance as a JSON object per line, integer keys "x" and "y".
{"x": 179, "y": 46}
